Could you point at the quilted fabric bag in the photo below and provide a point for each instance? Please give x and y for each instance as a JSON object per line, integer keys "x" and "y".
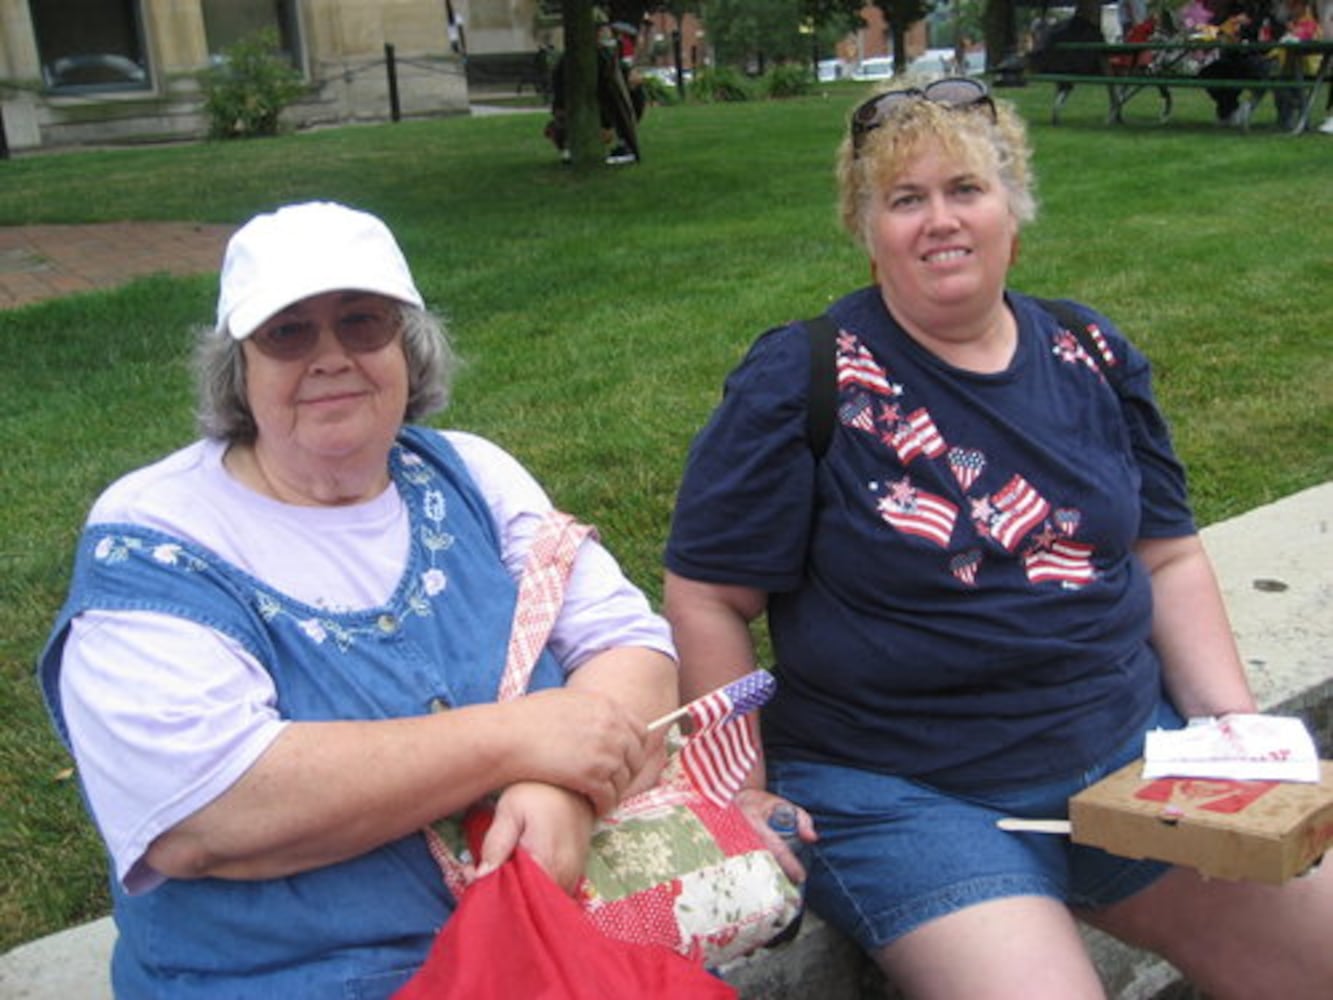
{"x": 677, "y": 865}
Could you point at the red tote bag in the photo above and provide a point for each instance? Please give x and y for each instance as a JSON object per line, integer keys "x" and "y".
{"x": 517, "y": 936}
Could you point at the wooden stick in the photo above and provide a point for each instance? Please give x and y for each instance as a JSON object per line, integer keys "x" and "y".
{"x": 669, "y": 718}
{"x": 1017, "y": 825}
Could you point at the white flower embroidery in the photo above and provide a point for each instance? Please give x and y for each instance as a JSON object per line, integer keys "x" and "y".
{"x": 433, "y": 581}
{"x": 105, "y": 546}
{"x": 313, "y": 628}
{"x": 433, "y": 505}
{"x": 436, "y": 541}
{"x": 167, "y": 554}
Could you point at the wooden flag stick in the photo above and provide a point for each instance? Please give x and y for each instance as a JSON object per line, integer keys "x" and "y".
{"x": 1016, "y": 825}
{"x": 667, "y": 719}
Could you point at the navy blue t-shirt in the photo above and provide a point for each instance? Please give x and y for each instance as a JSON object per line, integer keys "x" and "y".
{"x": 952, "y": 591}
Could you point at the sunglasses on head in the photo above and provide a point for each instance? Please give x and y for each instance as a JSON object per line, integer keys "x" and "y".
{"x": 959, "y": 93}
{"x": 360, "y": 326}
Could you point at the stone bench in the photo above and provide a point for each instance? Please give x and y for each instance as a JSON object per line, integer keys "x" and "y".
{"x": 1275, "y": 564}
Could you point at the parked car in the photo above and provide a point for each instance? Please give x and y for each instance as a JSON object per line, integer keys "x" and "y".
{"x": 667, "y": 74}
{"x": 942, "y": 62}
{"x": 833, "y": 69}
{"x": 874, "y": 68}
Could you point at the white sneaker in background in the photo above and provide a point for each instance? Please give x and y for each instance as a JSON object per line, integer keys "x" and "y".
{"x": 1327, "y": 127}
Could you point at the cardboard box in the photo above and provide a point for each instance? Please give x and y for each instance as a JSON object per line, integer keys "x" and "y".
{"x": 1268, "y": 831}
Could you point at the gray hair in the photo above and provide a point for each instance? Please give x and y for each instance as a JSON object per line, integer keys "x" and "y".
{"x": 223, "y": 410}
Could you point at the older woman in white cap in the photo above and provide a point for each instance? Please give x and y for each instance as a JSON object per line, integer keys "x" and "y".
{"x": 282, "y": 643}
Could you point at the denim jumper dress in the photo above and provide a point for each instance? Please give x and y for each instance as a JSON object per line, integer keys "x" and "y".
{"x": 358, "y": 929}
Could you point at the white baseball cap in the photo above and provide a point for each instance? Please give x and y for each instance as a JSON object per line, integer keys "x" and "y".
{"x": 281, "y": 257}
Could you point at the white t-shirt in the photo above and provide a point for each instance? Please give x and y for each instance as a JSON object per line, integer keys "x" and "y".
{"x": 165, "y": 714}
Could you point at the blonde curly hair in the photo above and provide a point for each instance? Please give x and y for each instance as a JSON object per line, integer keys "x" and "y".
{"x": 966, "y": 134}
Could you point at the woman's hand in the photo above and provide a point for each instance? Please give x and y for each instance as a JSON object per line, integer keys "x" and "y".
{"x": 583, "y": 741}
{"x": 758, "y": 806}
{"x": 552, "y": 824}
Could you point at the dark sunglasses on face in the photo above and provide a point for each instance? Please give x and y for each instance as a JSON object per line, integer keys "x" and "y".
{"x": 959, "y": 93}
{"x": 360, "y": 328}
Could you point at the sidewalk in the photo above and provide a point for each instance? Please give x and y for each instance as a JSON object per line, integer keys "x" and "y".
{"x": 1275, "y": 564}
{"x": 44, "y": 262}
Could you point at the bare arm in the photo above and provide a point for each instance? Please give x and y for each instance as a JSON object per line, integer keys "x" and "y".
{"x": 328, "y": 791}
{"x": 1201, "y": 665}
{"x": 710, "y": 623}
{"x": 554, "y": 824}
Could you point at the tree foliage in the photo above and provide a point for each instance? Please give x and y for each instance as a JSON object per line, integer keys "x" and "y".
{"x": 244, "y": 94}
{"x": 743, "y": 31}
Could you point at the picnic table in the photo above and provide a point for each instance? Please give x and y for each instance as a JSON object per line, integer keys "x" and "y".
{"x": 1170, "y": 67}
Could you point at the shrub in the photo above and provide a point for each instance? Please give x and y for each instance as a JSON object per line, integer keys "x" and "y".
{"x": 246, "y": 91}
{"x": 658, "y": 91}
{"x": 719, "y": 83}
{"x": 789, "y": 80}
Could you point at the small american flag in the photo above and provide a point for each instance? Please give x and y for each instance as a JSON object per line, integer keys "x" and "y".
{"x": 1019, "y": 508}
{"x": 916, "y": 435}
{"x": 916, "y": 512}
{"x": 721, "y": 750}
{"x": 1065, "y": 562}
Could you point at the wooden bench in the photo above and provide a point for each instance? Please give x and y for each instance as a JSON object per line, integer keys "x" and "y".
{"x": 514, "y": 70}
{"x": 1121, "y": 88}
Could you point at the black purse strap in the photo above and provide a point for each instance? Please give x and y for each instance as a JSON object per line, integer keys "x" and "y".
{"x": 822, "y": 401}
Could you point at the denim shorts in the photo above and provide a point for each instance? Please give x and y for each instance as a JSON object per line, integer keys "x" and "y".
{"x": 893, "y": 853}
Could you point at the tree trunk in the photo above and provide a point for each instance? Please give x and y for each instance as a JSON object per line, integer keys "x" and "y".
{"x": 898, "y": 33}
{"x": 998, "y": 26}
{"x": 580, "y": 79}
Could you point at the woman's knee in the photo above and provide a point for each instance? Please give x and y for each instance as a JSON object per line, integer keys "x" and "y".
{"x": 1020, "y": 946}
{"x": 1242, "y": 940}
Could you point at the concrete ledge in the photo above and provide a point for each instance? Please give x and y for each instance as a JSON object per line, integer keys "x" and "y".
{"x": 74, "y": 964}
{"x": 1275, "y": 566}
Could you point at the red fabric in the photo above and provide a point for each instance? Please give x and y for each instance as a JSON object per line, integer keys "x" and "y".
{"x": 517, "y": 935}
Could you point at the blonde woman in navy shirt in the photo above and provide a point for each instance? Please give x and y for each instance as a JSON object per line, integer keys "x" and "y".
{"x": 980, "y": 596}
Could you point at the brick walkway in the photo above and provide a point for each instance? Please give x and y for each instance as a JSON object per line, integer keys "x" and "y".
{"x": 43, "y": 262}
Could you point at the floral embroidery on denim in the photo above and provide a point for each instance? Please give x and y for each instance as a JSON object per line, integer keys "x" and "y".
{"x": 112, "y": 549}
{"x": 414, "y": 475}
{"x": 414, "y": 472}
{"x": 317, "y": 630}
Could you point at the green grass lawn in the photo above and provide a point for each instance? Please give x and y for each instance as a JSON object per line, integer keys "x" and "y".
{"x": 599, "y": 312}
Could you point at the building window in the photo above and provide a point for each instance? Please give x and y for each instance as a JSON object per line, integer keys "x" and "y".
{"x": 90, "y": 44}
{"x": 227, "y": 22}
